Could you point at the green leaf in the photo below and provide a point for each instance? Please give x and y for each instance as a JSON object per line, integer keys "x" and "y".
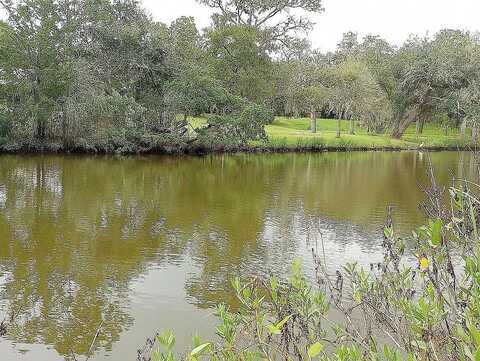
{"x": 196, "y": 341}
{"x": 155, "y": 355}
{"x": 236, "y": 284}
{"x": 315, "y": 349}
{"x": 246, "y": 293}
{"x": 282, "y": 322}
{"x": 167, "y": 339}
{"x": 274, "y": 283}
{"x": 477, "y": 354}
{"x": 297, "y": 266}
{"x": 474, "y": 333}
{"x": 388, "y": 232}
{"x": 357, "y": 297}
{"x": 274, "y": 330}
{"x": 198, "y": 350}
{"x": 436, "y": 232}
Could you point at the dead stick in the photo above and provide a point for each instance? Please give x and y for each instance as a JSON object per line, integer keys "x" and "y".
{"x": 93, "y": 341}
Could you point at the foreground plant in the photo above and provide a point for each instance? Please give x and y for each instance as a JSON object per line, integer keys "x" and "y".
{"x": 423, "y": 304}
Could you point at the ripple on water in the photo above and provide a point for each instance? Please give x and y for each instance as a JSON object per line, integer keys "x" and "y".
{"x": 152, "y": 242}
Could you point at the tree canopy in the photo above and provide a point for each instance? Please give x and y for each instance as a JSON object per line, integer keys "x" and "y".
{"x": 103, "y": 76}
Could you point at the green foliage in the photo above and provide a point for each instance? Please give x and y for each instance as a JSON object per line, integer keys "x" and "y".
{"x": 102, "y": 76}
{"x": 278, "y": 22}
{"x": 236, "y": 129}
{"x": 167, "y": 342}
{"x": 256, "y": 115}
{"x": 119, "y": 88}
{"x": 241, "y": 61}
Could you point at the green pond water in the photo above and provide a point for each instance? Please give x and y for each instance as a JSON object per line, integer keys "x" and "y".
{"x": 149, "y": 243}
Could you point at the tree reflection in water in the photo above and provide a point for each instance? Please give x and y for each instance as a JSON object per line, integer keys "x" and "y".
{"x": 75, "y": 231}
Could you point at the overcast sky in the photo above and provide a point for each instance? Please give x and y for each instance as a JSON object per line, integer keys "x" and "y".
{"x": 392, "y": 19}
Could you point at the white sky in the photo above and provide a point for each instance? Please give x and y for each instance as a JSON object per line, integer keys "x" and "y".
{"x": 394, "y": 20}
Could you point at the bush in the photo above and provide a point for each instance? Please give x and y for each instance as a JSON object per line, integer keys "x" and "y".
{"x": 235, "y": 129}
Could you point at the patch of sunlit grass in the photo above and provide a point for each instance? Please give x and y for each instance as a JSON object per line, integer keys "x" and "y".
{"x": 295, "y": 133}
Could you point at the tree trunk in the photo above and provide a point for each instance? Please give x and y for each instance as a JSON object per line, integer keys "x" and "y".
{"x": 418, "y": 127}
{"x": 41, "y": 133}
{"x": 463, "y": 128}
{"x": 401, "y": 126}
{"x": 40, "y": 122}
{"x": 352, "y": 127}
{"x": 338, "y": 126}
{"x": 65, "y": 129}
{"x": 313, "y": 121}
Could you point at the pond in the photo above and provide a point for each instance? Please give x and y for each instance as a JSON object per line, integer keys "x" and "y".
{"x": 151, "y": 242}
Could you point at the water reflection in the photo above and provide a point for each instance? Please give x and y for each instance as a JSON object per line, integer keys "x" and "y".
{"x": 86, "y": 241}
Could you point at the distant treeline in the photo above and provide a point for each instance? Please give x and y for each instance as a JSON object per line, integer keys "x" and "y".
{"x": 103, "y": 76}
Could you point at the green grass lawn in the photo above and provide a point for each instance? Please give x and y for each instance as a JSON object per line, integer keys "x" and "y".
{"x": 295, "y": 132}
{"x": 433, "y": 135}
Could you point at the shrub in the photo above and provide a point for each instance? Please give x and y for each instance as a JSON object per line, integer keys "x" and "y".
{"x": 236, "y": 129}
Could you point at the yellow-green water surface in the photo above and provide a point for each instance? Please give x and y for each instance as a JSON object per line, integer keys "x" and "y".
{"x": 148, "y": 243}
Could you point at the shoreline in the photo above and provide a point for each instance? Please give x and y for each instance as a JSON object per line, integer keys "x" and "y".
{"x": 253, "y": 149}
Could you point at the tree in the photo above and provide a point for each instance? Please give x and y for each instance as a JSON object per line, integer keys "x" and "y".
{"x": 316, "y": 97}
{"x": 53, "y": 47}
{"x": 240, "y": 61}
{"x": 377, "y": 53}
{"x": 348, "y": 47}
{"x": 35, "y": 55}
{"x": 277, "y": 19}
{"x": 429, "y": 75}
{"x": 468, "y": 102}
{"x": 353, "y": 89}
{"x": 301, "y": 88}
{"x": 189, "y": 90}
{"x": 457, "y": 76}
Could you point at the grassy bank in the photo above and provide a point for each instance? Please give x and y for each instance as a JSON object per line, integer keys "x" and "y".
{"x": 295, "y": 133}
{"x": 284, "y": 135}
{"x": 290, "y": 134}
